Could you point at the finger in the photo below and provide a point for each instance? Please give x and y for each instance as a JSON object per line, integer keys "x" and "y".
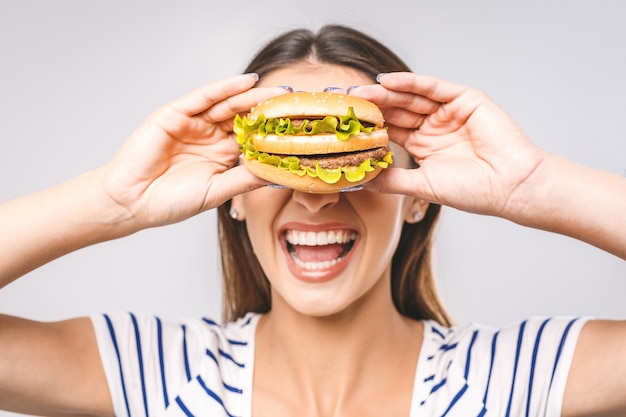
{"x": 410, "y": 182}
{"x": 240, "y": 103}
{"x": 339, "y": 90}
{"x": 205, "y": 97}
{"x": 386, "y": 98}
{"x": 395, "y": 116}
{"x": 424, "y": 85}
{"x": 400, "y": 135}
{"x": 230, "y": 183}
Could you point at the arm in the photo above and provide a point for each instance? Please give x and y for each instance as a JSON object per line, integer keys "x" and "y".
{"x": 576, "y": 201}
{"x": 175, "y": 165}
{"x": 51, "y": 368}
{"x": 474, "y": 157}
{"x": 596, "y": 385}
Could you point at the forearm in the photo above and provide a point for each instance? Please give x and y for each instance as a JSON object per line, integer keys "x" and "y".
{"x": 43, "y": 226}
{"x": 576, "y": 201}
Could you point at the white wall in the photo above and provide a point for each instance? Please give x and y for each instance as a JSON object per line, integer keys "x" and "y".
{"x": 77, "y": 77}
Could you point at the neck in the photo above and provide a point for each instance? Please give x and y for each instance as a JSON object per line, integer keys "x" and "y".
{"x": 329, "y": 357}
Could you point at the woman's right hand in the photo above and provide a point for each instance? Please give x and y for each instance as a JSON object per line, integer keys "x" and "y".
{"x": 179, "y": 162}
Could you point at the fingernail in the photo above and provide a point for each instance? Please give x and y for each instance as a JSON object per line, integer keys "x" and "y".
{"x": 286, "y": 87}
{"x": 327, "y": 89}
{"x": 253, "y": 75}
{"x": 277, "y": 186}
{"x": 379, "y": 76}
{"x": 351, "y": 189}
{"x": 351, "y": 88}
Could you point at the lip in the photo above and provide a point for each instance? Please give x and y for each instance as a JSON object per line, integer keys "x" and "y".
{"x": 322, "y": 272}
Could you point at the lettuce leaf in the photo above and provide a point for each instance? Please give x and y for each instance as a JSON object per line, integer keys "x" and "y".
{"x": 343, "y": 126}
{"x": 328, "y": 175}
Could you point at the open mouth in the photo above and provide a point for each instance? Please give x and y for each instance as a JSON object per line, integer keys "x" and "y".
{"x": 319, "y": 250}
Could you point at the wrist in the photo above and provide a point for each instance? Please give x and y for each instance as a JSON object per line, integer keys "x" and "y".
{"x": 573, "y": 200}
{"x": 48, "y": 224}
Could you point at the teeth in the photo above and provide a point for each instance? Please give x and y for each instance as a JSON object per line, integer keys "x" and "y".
{"x": 316, "y": 265}
{"x": 296, "y": 237}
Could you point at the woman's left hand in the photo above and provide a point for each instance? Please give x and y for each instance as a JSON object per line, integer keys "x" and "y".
{"x": 472, "y": 155}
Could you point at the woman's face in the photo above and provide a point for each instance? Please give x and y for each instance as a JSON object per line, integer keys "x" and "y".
{"x": 323, "y": 252}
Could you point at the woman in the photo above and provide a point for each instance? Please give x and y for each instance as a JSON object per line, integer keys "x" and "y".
{"x": 366, "y": 337}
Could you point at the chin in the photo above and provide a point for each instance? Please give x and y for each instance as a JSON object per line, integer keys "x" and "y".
{"x": 328, "y": 300}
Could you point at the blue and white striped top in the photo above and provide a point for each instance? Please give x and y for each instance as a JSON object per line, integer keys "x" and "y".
{"x": 200, "y": 368}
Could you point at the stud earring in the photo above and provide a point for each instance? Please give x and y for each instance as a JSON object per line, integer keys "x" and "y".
{"x": 417, "y": 216}
{"x": 234, "y": 214}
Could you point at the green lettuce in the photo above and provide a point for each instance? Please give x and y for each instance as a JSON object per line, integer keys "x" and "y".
{"x": 328, "y": 175}
{"x": 343, "y": 127}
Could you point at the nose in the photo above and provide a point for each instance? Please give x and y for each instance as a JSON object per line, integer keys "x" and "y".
{"x": 314, "y": 203}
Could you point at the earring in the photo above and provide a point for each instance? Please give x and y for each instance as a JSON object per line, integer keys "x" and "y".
{"x": 234, "y": 214}
{"x": 417, "y": 216}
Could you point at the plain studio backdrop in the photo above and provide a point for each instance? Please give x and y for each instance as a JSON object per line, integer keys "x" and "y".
{"x": 78, "y": 76}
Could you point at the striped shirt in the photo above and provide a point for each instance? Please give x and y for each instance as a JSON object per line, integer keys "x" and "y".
{"x": 201, "y": 368}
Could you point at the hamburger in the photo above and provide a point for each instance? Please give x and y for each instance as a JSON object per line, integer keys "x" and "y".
{"x": 318, "y": 142}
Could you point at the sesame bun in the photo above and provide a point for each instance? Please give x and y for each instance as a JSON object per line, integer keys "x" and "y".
{"x": 304, "y": 183}
{"x": 317, "y": 142}
{"x": 315, "y": 104}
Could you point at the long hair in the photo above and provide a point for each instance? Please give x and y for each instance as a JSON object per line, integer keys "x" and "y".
{"x": 246, "y": 288}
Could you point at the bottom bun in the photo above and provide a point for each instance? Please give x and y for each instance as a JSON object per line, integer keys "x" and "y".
{"x": 303, "y": 183}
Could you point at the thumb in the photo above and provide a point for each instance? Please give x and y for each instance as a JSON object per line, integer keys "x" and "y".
{"x": 410, "y": 182}
{"x": 232, "y": 182}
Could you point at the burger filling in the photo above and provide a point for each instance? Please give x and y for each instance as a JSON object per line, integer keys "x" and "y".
{"x": 330, "y": 167}
{"x": 343, "y": 126}
{"x": 338, "y": 160}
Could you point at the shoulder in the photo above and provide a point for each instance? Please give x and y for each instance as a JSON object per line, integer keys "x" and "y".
{"x": 152, "y": 363}
{"x": 473, "y": 335}
{"x": 201, "y": 330}
{"x": 498, "y": 367}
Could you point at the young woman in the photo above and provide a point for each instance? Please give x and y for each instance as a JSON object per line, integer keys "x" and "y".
{"x": 366, "y": 336}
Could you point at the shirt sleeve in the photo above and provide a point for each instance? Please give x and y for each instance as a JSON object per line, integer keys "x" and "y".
{"x": 197, "y": 367}
{"x": 517, "y": 370}
{"x": 528, "y": 365}
{"x": 145, "y": 360}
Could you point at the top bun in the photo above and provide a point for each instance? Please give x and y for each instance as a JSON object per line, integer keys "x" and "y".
{"x": 316, "y": 104}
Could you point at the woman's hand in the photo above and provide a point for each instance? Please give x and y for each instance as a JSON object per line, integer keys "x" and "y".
{"x": 178, "y": 162}
{"x": 472, "y": 155}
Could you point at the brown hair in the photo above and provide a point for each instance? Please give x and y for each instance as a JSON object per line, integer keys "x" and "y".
{"x": 246, "y": 289}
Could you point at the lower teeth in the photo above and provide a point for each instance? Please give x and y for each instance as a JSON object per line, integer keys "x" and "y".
{"x": 315, "y": 265}
{"x": 319, "y": 265}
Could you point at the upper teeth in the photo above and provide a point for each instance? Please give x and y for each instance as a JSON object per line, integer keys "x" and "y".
{"x": 297, "y": 237}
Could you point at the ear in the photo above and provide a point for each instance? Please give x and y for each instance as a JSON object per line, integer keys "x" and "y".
{"x": 416, "y": 211}
{"x": 237, "y": 211}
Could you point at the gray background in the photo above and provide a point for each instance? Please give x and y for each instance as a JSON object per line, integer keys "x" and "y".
{"x": 77, "y": 77}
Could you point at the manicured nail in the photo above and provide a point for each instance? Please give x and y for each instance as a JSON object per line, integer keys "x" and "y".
{"x": 277, "y": 186}
{"x": 379, "y": 76}
{"x": 287, "y": 87}
{"x": 253, "y": 75}
{"x": 351, "y": 189}
{"x": 327, "y": 89}
{"x": 351, "y": 88}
